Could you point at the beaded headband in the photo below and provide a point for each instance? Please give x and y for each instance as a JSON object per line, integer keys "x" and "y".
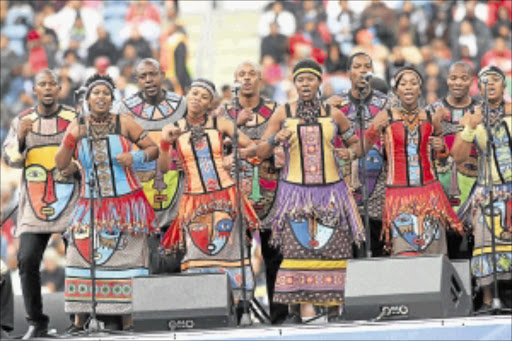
{"x": 403, "y": 71}
{"x": 98, "y": 82}
{"x": 310, "y": 70}
{"x": 204, "y": 85}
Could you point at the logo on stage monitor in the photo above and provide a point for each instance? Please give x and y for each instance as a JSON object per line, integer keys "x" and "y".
{"x": 394, "y": 311}
{"x": 181, "y": 324}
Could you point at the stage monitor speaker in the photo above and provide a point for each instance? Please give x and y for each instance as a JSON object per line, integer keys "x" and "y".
{"x": 182, "y": 301}
{"x": 404, "y": 288}
{"x": 53, "y": 306}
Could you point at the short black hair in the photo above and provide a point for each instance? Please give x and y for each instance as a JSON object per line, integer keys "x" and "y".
{"x": 357, "y": 54}
{"x": 465, "y": 65}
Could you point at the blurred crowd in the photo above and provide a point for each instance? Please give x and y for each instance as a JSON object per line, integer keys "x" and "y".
{"x": 427, "y": 34}
{"x": 80, "y": 37}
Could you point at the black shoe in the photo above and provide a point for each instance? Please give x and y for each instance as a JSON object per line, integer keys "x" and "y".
{"x": 74, "y": 330}
{"x": 485, "y": 309}
{"x": 293, "y": 319}
{"x": 335, "y": 319}
{"x": 35, "y": 331}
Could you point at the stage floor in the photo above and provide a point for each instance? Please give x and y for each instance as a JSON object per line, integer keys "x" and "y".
{"x": 468, "y": 328}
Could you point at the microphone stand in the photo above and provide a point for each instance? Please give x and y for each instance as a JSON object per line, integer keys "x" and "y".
{"x": 245, "y": 320}
{"x": 93, "y": 325}
{"x": 497, "y": 305}
{"x": 363, "y": 92}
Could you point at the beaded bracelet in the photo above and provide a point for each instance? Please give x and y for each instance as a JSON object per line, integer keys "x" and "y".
{"x": 371, "y": 135}
{"x": 165, "y": 146}
{"x": 69, "y": 141}
{"x": 468, "y": 134}
{"x": 272, "y": 141}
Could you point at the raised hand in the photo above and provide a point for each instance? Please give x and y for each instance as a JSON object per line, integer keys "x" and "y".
{"x": 244, "y": 116}
{"x": 125, "y": 159}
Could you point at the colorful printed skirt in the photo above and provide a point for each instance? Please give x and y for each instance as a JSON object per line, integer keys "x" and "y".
{"x": 315, "y": 227}
{"x": 120, "y": 252}
{"x": 206, "y": 231}
{"x": 476, "y": 212}
{"x": 416, "y": 219}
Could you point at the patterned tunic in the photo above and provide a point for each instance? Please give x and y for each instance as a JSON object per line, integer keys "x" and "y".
{"x": 46, "y": 197}
{"x": 122, "y": 218}
{"x": 477, "y": 210}
{"x": 316, "y": 217}
{"x": 375, "y": 168}
{"x": 258, "y": 178}
{"x": 205, "y": 226}
{"x": 417, "y": 211}
{"x": 162, "y": 190}
{"x": 457, "y": 181}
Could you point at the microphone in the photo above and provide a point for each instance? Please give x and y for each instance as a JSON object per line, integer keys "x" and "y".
{"x": 484, "y": 80}
{"x": 236, "y": 87}
{"x": 80, "y": 91}
{"x": 367, "y": 76}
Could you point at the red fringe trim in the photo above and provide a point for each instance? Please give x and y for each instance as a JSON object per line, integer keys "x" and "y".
{"x": 192, "y": 205}
{"x": 420, "y": 201}
{"x": 131, "y": 212}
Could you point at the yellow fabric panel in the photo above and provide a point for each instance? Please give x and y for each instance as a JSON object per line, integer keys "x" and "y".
{"x": 488, "y": 249}
{"x": 44, "y": 156}
{"x": 317, "y": 264}
{"x": 67, "y": 114}
{"x": 295, "y": 164}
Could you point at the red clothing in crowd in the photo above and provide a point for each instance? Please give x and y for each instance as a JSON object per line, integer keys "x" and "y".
{"x": 499, "y": 59}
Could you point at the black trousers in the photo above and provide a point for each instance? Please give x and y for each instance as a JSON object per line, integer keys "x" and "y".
{"x": 272, "y": 258}
{"x": 6, "y": 302}
{"x": 30, "y": 254}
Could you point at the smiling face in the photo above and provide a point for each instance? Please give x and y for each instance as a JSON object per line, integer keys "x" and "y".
{"x": 408, "y": 89}
{"x": 100, "y": 99}
{"x": 249, "y": 77}
{"x": 149, "y": 79}
{"x": 46, "y": 89}
{"x": 459, "y": 81}
{"x": 307, "y": 85}
{"x": 198, "y": 100}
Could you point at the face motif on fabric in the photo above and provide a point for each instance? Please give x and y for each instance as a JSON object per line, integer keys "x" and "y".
{"x": 419, "y": 234}
{"x": 311, "y": 233}
{"x": 49, "y": 193}
{"x": 374, "y": 163}
{"x": 210, "y": 232}
{"x": 501, "y": 230}
{"x": 503, "y": 153}
{"x": 106, "y": 243}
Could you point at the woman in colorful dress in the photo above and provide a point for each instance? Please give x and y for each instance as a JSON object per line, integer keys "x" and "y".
{"x": 416, "y": 211}
{"x": 476, "y": 212}
{"x": 316, "y": 218}
{"x": 122, "y": 215}
{"x": 205, "y": 230}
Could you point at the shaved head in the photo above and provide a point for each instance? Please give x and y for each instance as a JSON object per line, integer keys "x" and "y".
{"x": 146, "y": 61}
{"x": 460, "y": 63}
{"x": 45, "y": 72}
{"x": 255, "y": 66}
